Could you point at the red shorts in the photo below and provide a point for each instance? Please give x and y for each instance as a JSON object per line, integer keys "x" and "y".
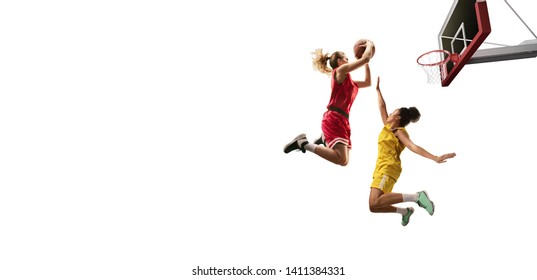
{"x": 336, "y": 129}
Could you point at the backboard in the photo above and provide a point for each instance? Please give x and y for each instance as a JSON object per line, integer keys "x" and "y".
{"x": 466, "y": 27}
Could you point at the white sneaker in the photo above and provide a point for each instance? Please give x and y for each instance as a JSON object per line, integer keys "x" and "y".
{"x": 297, "y": 144}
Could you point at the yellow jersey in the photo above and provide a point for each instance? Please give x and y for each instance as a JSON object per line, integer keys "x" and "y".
{"x": 389, "y": 151}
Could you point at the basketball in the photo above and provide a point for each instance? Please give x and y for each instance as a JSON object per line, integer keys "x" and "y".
{"x": 359, "y": 48}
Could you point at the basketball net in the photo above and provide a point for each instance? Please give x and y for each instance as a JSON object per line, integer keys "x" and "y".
{"x": 433, "y": 63}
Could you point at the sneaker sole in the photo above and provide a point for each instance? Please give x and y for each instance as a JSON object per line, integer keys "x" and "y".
{"x": 412, "y": 212}
{"x": 289, "y": 147}
{"x": 432, "y": 203}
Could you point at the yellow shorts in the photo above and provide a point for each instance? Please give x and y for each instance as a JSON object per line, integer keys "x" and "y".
{"x": 383, "y": 182}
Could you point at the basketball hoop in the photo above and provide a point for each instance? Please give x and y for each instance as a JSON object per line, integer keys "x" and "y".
{"x": 434, "y": 62}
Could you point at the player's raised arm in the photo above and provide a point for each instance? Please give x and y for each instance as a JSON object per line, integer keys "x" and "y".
{"x": 367, "y": 80}
{"x": 360, "y": 61}
{"x": 403, "y": 137}
{"x": 382, "y": 103}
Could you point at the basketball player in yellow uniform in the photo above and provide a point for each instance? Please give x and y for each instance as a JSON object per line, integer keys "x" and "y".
{"x": 392, "y": 140}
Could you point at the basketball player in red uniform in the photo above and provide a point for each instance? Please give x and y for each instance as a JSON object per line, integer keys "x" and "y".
{"x": 335, "y": 143}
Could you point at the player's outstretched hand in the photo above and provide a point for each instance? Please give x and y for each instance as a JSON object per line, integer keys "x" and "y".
{"x": 442, "y": 158}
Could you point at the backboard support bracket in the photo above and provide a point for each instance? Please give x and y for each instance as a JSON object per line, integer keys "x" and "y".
{"x": 526, "y": 49}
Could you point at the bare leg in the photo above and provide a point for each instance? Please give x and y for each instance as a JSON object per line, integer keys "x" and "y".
{"x": 381, "y": 202}
{"x": 338, "y": 155}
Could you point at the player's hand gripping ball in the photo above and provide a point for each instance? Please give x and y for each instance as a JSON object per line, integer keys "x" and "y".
{"x": 359, "y": 48}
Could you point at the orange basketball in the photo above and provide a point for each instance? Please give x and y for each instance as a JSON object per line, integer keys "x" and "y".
{"x": 359, "y": 48}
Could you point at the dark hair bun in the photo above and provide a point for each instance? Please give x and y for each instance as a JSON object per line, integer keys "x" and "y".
{"x": 414, "y": 114}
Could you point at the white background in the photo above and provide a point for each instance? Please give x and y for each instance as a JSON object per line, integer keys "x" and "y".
{"x": 141, "y": 139}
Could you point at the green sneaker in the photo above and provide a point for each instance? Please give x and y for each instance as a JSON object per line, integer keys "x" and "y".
{"x": 425, "y": 202}
{"x": 406, "y": 217}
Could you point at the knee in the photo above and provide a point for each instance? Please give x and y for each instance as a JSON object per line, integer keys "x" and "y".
{"x": 343, "y": 160}
{"x": 373, "y": 205}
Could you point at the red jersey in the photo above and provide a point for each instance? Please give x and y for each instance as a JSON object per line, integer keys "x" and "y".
{"x": 343, "y": 94}
{"x": 335, "y": 124}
